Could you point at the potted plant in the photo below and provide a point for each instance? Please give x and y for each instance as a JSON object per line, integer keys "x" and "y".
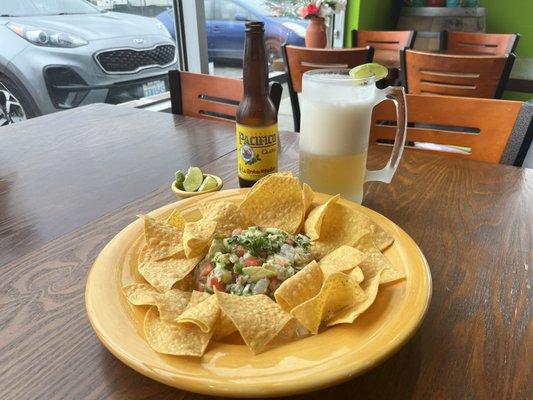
{"x": 317, "y": 11}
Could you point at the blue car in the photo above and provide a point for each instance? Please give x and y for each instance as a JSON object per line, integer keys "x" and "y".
{"x": 225, "y": 21}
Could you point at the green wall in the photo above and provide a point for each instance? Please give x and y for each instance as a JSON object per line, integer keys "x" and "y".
{"x": 371, "y": 15}
{"x": 512, "y": 16}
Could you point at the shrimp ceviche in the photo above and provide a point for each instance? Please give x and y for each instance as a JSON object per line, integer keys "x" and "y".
{"x": 252, "y": 261}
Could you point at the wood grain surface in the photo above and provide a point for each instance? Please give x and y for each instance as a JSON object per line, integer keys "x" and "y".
{"x": 63, "y": 170}
{"x": 472, "y": 220}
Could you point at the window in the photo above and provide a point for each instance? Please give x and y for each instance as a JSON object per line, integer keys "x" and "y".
{"x": 231, "y": 11}
{"x": 111, "y": 51}
{"x": 225, "y": 23}
{"x": 209, "y": 9}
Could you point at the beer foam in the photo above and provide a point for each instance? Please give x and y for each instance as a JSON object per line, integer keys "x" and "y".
{"x": 335, "y": 125}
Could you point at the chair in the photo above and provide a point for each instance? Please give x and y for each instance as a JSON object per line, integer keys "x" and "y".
{"x": 210, "y": 97}
{"x": 497, "y": 44}
{"x": 494, "y": 131}
{"x": 384, "y": 40}
{"x": 455, "y": 75}
{"x": 301, "y": 59}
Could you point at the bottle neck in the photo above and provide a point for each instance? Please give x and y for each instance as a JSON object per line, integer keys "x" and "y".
{"x": 255, "y": 66}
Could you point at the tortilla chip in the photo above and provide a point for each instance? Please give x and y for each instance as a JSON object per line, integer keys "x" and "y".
{"x": 300, "y": 287}
{"x": 140, "y": 294}
{"x": 357, "y": 274}
{"x": 276, "y": 202}
{"x": 164, "y": 274}
{"x": 176, "y": 220}
{"x": 377, "y": 260}
{"x": 258, "y": 319}
{"x": 341, "y": 259}
{"x": 197, "y": 237}
{"x": 197, "y": 297}
{"x": 370, "y": 286}
{"x": 339, "y": 291}
{"x": 382, "y": 239}
{"x": 186, "y": 284}
{"x": 343, "y": 225}
{"x": 308, "y": 196}
{"x": 170, "y": 304}
{"x": 224, "y": 327}
{"x": 225, "y": 214}
{"x": 204, "y": 314}
{"x": 313, "y": 222}
{"x": 178, "y": 340}
{"x": 163, "y": 240}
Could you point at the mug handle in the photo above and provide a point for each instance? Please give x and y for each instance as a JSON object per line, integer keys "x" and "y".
{"x": 397, "y": 95}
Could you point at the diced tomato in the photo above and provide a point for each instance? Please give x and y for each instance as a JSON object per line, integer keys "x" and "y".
{"x": 252, "y": 262}
{"x": 274, "y": 284}
{"x": 217, "y": 284}
{"x": 206, "y": 269}
{"x": 236, "y": 232}
{"x": 239, "y": 251}
{"x": 289, "y": 241}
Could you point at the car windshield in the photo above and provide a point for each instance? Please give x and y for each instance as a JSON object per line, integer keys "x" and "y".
{"x": 23, "y": 8}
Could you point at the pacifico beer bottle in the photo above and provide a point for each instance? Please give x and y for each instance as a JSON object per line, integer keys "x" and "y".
{"x": 257, "y": 119}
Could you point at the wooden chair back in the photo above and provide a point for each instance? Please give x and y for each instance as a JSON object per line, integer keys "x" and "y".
{"x": 471, "y": 128}
{"x": 455, "y": 75}
{"x": 385, "y": 40}
{"x": 302, "y": 59}
{"x": 299, "y": 60}
{"x": 497, "y": 44}
{"x": 209, "y": 96}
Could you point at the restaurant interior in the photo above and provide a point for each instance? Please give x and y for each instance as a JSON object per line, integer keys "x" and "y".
{"x": 304, "y": 199}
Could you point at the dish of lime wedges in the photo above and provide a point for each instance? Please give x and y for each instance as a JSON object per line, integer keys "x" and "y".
{"x": 368, "y": 70}
{"x": 194, "y": 180}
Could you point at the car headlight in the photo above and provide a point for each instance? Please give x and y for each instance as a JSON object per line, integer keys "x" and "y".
{"x": 296, "y": 28}
{"x": 46, "y": 37}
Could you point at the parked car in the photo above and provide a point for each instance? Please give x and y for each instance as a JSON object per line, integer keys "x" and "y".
{"x": 63, "y": 54}
{"x": 225, "y": 20}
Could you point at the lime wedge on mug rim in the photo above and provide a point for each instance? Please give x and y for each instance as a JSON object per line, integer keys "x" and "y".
{"x": 208, "y": 183}
{"x": 368, "y": 70}
{"x": 193, "y": 179}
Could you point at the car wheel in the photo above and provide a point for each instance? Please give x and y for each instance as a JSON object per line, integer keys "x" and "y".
{"x": 15, "y": 106}
{"x": 273, "y": 50}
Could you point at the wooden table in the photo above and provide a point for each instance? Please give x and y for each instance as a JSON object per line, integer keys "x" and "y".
{"x": 69, "y": 182}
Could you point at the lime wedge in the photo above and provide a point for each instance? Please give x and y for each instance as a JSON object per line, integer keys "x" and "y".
{"x": 180, "y": 177}
{"x": 193, "y": 179}
{"x": 367, "y": 70}
{"x": 208, "y": 183}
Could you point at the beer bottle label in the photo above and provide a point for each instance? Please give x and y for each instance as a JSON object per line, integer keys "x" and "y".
{"x": 257, "y": 151}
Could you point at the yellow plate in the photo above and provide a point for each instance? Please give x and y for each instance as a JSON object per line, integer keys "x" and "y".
{"x": 335, "y": 355}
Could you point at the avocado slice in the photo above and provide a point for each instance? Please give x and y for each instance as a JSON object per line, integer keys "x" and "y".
{"x": 256, "y": 273}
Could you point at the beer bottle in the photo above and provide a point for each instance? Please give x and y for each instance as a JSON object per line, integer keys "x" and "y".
{"x": 257, "y": 128}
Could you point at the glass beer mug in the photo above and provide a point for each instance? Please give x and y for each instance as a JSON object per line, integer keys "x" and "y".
{"x": 336, "y": 112}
